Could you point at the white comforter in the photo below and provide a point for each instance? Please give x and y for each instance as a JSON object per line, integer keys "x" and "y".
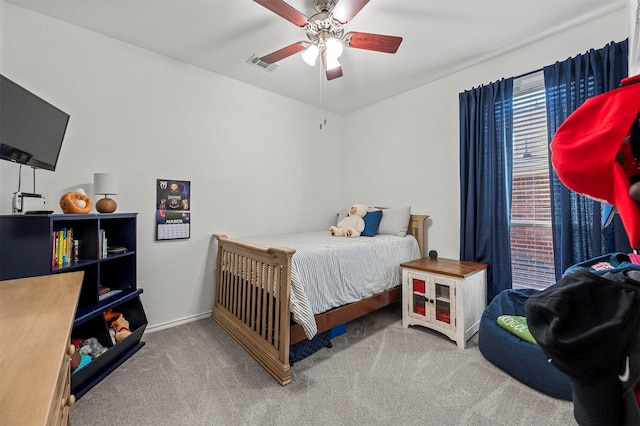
{"x": 328, "y": 271}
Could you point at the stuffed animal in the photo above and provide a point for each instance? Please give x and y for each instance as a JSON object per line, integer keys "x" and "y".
{"x": 75, "y": 202}
{"x": 110, "y": 315}
{"x": 95, "y": 348}
{"x": 79, "y": 358}
{"x": 121, "y": 327}
{"x": 353, "y": 224}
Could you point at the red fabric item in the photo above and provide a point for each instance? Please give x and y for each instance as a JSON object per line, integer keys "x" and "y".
{"x": 443, "y": 316}
{"x": 585, "y": 148}
{"x": 418, "y": 285}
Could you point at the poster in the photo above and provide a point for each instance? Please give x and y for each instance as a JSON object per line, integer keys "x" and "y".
{"x": 173, "y": 209}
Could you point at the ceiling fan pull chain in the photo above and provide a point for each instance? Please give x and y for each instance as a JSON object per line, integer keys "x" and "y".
{"x": 323, "y": 97}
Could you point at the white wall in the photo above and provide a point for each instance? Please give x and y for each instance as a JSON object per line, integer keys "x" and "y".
{"x": 257, "y": 161}
{"x": 410, "y": 143}
{"x": 144, "y": 116}
{"x": 1, "y": 36}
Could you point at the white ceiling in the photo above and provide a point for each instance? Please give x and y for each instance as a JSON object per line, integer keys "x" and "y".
{"x": 440, "y": 36}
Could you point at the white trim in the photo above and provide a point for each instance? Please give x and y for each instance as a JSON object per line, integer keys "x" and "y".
{"x": 180, "y": 321}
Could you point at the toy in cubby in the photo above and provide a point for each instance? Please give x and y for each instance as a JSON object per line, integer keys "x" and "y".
{"x": 118, "y": 324}
{"x": 86, "y": 351}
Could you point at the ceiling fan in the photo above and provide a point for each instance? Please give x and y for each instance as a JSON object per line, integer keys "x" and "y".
{"x": 325, "y": 31}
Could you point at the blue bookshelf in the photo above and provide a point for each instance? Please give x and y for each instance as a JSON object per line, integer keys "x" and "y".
{"x": 28, "y": 248}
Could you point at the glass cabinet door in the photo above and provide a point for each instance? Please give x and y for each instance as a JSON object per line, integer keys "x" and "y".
{"x": 444, "y": 307}
{"x": 419, "y": 299}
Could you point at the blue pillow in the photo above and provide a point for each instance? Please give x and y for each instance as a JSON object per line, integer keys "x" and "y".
{"x": 371, "y": 223}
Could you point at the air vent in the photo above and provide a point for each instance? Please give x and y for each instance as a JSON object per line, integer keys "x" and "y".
{"x": 254, "y": 60}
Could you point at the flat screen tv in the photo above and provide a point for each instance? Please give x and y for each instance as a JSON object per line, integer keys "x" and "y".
{"x": 31, "y": 129}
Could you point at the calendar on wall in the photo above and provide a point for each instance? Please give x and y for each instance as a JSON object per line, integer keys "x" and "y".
{"x": 173, "y": 209}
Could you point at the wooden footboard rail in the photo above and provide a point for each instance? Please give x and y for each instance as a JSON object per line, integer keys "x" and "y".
{"x": 253, "y": 286}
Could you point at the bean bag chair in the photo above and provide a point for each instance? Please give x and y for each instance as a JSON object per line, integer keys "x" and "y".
{"x": 521, "y": 359}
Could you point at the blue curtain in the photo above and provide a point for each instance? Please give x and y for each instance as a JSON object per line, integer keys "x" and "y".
{"x": 485, "y": 180}
{"x": 577, "y": 222}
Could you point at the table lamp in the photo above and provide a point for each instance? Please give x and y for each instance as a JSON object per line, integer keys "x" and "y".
{"x": 105, "y": 184}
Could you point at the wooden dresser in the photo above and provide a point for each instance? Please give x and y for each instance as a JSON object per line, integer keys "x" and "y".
{"x": 36, "y": 318}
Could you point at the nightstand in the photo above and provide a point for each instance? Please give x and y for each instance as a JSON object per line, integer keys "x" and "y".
{"x": 445, "y": 295}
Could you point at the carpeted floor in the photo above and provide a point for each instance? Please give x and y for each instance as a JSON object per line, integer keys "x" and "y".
{"x": 377, "y": 373}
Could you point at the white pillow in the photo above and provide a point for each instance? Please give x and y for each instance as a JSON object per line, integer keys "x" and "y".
{"x": 395, "y": 221}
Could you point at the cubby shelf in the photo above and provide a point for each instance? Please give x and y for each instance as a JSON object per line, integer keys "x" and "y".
{"x": 27, "y": 249}
{"x": 85, "y": 313}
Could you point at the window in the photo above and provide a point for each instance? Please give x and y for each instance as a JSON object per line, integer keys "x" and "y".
{"x": 530, "y": 228}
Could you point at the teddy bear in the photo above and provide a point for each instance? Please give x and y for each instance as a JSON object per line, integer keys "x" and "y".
{"x": 121, "y": 327}
{"x": 353, "y": 224}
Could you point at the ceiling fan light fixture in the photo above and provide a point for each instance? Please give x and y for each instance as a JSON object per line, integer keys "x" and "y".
{"x": 310, "y": 55}
{"x": 332, "y": 62}
{"x": 334, "y": 47}
{"x": 325, "y": 32}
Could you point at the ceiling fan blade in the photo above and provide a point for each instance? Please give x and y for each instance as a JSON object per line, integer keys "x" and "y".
{"x": 376, "y": 42}
{"x": 346, "y": 10}
{"x": 284, "y": 10}
{"x": 285, "y": 52}
{"x": 334, "y": 72}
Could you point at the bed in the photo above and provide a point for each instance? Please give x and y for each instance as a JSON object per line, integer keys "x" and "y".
{"x": 265, "y": 302}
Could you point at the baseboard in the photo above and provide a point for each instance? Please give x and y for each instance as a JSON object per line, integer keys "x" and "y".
{"x": 170, "y": 324}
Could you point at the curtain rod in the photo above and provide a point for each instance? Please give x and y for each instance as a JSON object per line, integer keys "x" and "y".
{"x": 527, "y": 73}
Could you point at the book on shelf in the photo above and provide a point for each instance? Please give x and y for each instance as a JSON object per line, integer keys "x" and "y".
{"x": 108, "y": 294}
{"x": 62, "y": 247}
{"x": 116, "y": 250}
{"x": 102, "y": 246}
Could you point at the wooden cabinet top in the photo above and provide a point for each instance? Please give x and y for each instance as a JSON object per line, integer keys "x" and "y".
{"x": 450, "y": 267}
{"x": 36, "y": 317}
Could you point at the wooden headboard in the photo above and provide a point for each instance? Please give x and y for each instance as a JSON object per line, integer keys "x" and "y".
{"x": 416, "y": 228}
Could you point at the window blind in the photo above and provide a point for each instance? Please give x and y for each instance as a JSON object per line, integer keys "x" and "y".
{"x": 531, "y": 232}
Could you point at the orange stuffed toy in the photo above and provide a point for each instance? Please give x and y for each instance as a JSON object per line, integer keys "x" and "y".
{"x": 118, "y": 323}
{"x": 75, "y": 202}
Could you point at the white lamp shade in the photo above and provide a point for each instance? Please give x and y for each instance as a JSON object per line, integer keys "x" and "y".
{"x": 332, "y": 62}
{"x": 334, "y": 48}
{"x": 105, "y": 183}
